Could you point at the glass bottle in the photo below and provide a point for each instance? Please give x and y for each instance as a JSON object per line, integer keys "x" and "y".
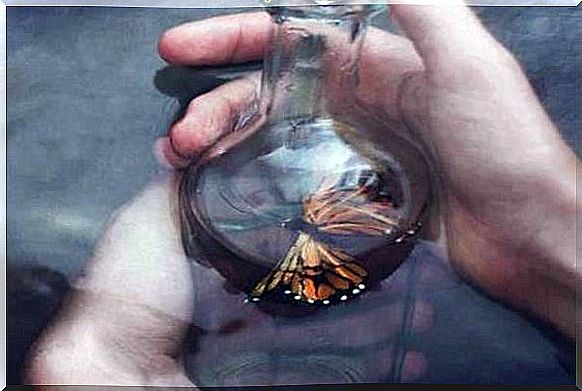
{"x": 315, "y": 197}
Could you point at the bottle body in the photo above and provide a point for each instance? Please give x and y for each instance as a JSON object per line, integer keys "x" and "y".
{"x": 314, "y": 199}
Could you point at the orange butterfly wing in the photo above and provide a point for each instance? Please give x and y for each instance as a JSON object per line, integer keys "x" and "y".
{"x": 314, "y": 272}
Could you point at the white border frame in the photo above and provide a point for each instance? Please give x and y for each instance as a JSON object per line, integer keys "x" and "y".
{"x": 261, "y": 3}
{"x": 3, "y": 187}
{"x": 171, "y": 4}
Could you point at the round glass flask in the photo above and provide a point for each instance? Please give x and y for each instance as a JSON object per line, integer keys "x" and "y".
{"x": 316, "y": 197}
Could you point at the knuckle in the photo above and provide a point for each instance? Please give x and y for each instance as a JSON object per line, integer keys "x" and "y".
{"x": 195, "y": 104}
{"x": 176, "y": 132}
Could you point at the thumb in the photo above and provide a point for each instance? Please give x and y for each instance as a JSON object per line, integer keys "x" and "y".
{"x": 446, "y": 36}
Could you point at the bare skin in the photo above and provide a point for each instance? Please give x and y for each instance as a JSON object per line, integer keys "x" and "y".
{"x": 507, "y": 185}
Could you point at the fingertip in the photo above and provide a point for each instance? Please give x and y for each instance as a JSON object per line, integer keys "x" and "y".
{"x": 178, "y": 45}
{"x": 414, "y": 367}
{"x": 165, "y": 46}
{"x": 167, "y": 156}
{"x": 185, "y": 139}
{"x": 217, "y": 40}
{"x": 438, "y": 26}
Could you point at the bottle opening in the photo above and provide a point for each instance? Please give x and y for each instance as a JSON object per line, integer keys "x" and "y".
{"x": 325, "y": 10}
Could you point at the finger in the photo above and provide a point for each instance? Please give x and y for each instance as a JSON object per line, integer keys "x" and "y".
{"x": 219, "y": 40}
{"x": 443, "y": 33}
{"x": 414, "y": 366}
{"x": 243, "y": 37}
{"x": 166, "y": 155}
{"x": 379, "y": 362}
{"x": 207, "y": 118}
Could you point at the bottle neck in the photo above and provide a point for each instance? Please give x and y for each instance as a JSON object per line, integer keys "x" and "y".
{"x": 312, "y": 61}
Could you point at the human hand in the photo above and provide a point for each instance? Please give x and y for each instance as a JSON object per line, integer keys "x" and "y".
{"x": 506, "y": 179}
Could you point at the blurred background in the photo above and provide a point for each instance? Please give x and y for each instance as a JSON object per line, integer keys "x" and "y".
{"x": 87, "y": 97}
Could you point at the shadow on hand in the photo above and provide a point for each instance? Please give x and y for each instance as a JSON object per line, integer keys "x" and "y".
{"x": 186, "y": 83}
{"x": 33, "y": 296}
{"x": 183, "y": 84}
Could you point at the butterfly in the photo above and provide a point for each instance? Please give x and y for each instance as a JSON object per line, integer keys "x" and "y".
{"x": 313, "y": 272}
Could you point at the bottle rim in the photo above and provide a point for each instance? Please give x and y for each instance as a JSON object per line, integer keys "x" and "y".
{"x": 332, "y": 10}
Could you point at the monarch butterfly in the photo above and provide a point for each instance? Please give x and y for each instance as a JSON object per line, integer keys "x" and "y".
{"x": 313, "y": 272}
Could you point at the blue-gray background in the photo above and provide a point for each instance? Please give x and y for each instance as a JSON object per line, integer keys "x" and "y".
{"x": 88, "y": 95}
